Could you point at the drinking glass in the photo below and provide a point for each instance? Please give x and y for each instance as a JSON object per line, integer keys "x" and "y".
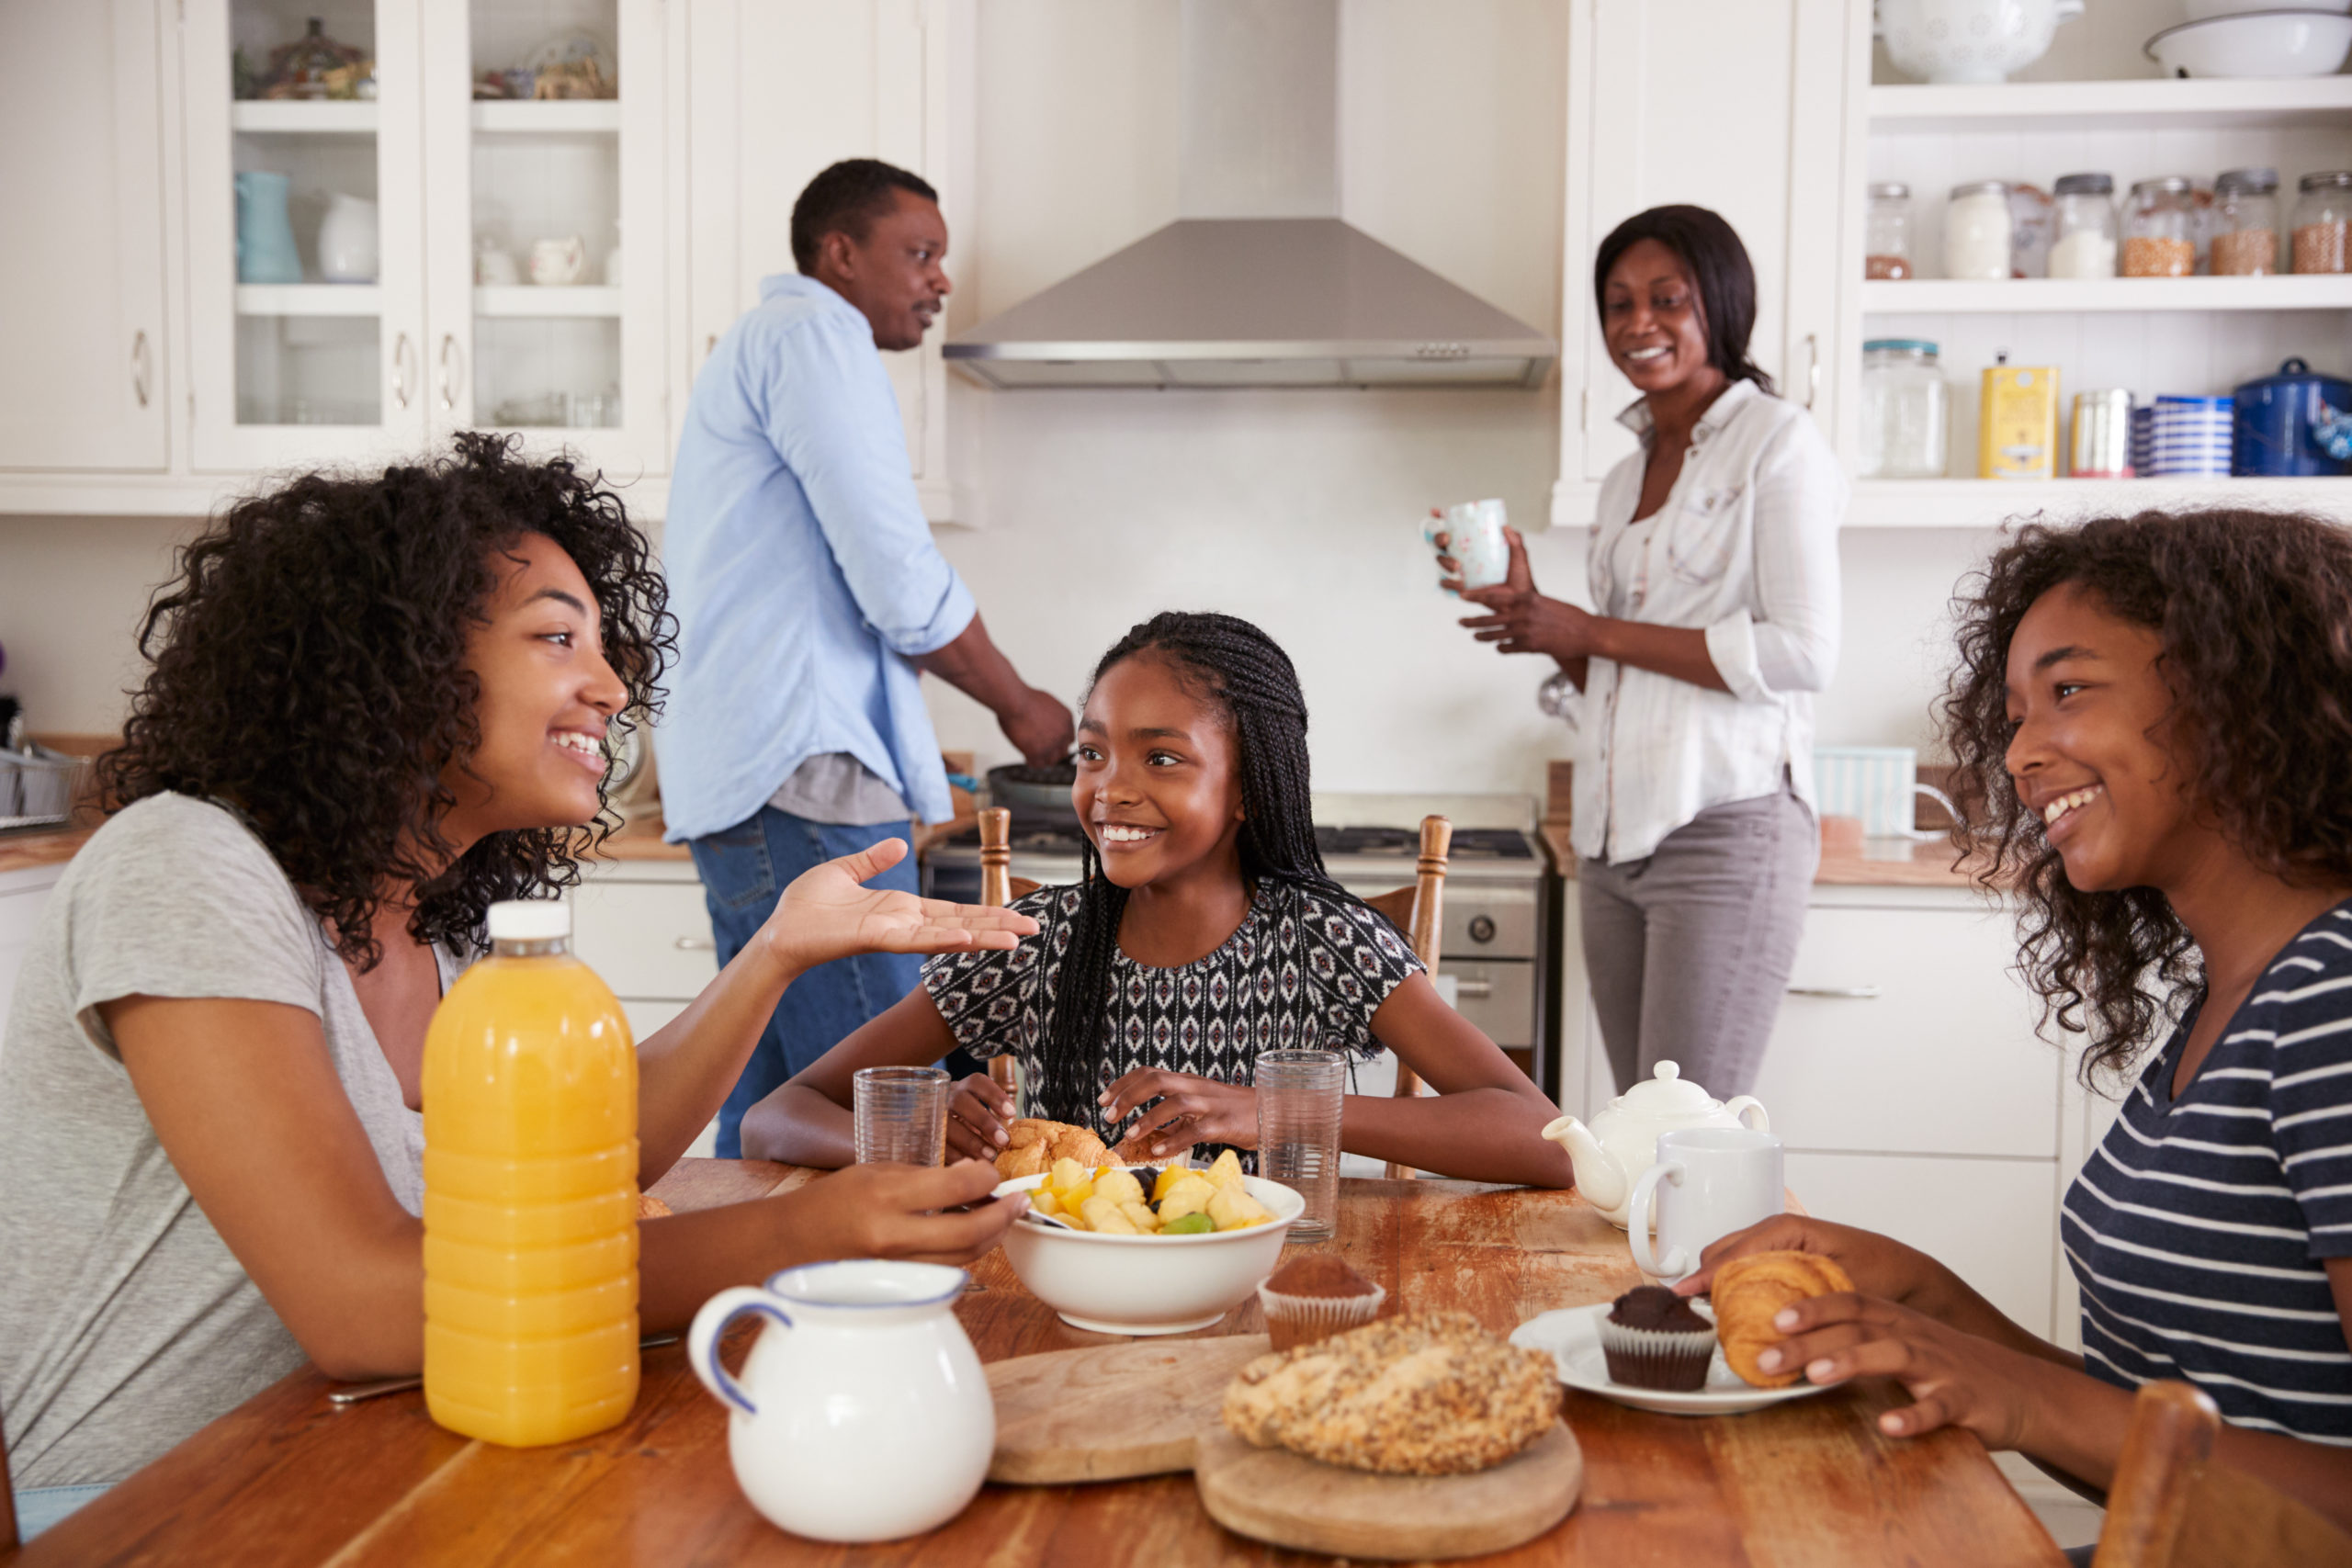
{"x": 901, "y": 1114}
{"x": 1298, "y": 1132}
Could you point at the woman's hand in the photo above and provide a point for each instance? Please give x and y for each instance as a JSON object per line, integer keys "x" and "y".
{"x": 978, "y": 1117}
{"x": 828, "y": 913}
{"x": 1523, "y": 621}
{"x": 1955, "y": 1379}
{"x": 1191, "y": 1109}
{"x": 1879, "y": 1265}
{"x": 900, "y": 1211}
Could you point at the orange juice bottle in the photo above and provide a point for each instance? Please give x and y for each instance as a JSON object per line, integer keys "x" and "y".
{"x": 530, "y": 1192}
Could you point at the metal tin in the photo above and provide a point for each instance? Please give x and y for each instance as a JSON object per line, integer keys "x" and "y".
{"x": 2017, "y": 433}
{"x": 2099, "y": 442}
{"x": 2296, "y": 422}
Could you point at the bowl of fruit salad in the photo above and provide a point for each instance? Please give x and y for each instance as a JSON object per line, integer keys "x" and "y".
{"x": 1149, "y": 1252}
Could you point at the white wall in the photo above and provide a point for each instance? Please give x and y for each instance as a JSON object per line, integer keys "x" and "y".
{"x": 72, "y": 593}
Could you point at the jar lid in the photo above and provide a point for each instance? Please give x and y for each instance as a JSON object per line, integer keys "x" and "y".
{"x": 2175, "y": 185}
{"x": 1892, "y": 190}
{"x": 1900, "y": 346}
{"x": 2252, "y": 181}
{"x": 2321, "y": 182}
{"x": 1981, "y": 187}
{"x": 2085, "y": 184}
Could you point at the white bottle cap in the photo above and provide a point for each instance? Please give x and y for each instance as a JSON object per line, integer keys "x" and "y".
{"x": 530, "y": 919}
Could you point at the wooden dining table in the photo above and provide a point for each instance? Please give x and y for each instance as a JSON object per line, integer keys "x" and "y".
{"x": 289, "y": 1478}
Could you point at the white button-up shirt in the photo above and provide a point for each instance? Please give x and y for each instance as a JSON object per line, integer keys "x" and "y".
{"x": 1746, "y": 546}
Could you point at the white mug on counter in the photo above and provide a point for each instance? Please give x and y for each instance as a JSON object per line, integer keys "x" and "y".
{"x": 1474, "y": 531}
{"x": 1707, "y": 1183}
{"x": 1876, "y": 783}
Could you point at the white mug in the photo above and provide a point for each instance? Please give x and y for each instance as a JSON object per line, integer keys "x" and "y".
{"x": 558, "y": 261}
{"x": 1474, "y": 531}
{"x": 1707, "y": 1183}
{"x": 495, "y": 268}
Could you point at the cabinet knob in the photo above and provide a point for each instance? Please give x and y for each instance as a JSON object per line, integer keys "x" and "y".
{"x": 1838, "y": 993}
{"x": 142, "y": 367}
{"x": 1482, "y": 927}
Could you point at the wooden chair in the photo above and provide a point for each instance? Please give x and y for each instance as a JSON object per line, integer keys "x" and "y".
{"x": 999, "y": 887}
{"x": 2172, "y": 1508}
{"x": 1419, "y": 912}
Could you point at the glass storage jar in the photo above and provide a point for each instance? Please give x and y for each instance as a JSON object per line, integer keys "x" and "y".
{"x": 2323, "y": 220}
{"x": 2084, "y": 241}
{"x": 1887, "y": 232}
{"x": 1977, "y": 230}
{"x": 2245, "y": 223}
{"x": 2159, "y": 236}
{"x": 1906, "y": 411}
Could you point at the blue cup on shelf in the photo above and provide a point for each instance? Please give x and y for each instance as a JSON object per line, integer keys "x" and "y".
{"x": 265, "y": 236}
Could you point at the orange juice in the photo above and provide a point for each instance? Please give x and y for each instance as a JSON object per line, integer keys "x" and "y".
{"x": 530, "y": 1192}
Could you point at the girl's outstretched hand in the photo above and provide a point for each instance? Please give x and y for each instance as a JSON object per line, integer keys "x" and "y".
{"x": 1210, "y": 1112}
{"x": 900, "y": 1211}
{"x": 828, "y": 913}
{"x": 1955, "y": 1378}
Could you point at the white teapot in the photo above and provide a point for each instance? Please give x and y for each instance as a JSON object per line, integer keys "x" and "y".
{"x": 1622, "y": 1143}
{"x": 863, "y": 1413}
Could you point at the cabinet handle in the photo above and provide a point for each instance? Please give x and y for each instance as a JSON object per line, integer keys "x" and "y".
{"x": 1838, "y": 993}
{"x": 404, "y": 366}
{"x": 452, "y": 367}
{"x": 698, "y": 944}
{"x": 1811, "y": 368}
{"x": 142, "y": 367}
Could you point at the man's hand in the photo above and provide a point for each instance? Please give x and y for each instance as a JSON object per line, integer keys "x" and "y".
{"x": 1038, "y": 725}
{"x": 827, "y": 913}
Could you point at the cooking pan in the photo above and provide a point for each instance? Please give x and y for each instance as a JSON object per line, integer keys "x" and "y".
{"x": 1036, "y": 789}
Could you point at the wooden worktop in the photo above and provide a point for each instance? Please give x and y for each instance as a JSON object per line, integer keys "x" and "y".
{"x": 1880, "y": 863}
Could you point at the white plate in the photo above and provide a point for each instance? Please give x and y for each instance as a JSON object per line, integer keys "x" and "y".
{"x": 1572, "y": 1335}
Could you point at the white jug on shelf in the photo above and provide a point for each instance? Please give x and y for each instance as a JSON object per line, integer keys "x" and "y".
{"x": 1622, "y": 1143}
{"x": 558, "y": 261}
{"x": 347, "y": 245}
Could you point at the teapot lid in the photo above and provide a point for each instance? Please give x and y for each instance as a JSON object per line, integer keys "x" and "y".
{"x": 1667, "y": 1093}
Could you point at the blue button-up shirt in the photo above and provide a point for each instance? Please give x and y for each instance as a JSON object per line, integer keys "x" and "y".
{"x": 801, "y": 571}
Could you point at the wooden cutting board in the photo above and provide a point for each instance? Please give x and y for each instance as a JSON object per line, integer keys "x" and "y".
{"x": 1285, "y": 1499}
{"x": 1110, "y": 1411}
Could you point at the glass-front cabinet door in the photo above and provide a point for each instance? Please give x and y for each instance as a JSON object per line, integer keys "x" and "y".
{"x": 306, "y": 264}
{"x": 407, "y": 217}
{"x": 543, "y": 178}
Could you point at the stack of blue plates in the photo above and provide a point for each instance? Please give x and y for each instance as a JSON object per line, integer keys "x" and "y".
{"x": 2189, "y": 436}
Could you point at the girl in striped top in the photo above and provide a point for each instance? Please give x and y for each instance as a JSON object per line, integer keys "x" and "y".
{"x": 2152, "y": 719}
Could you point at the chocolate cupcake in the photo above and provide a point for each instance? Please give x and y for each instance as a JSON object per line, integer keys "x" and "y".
{"x": 1653, "y": 1339}
{"x": 1314, "y": 1296}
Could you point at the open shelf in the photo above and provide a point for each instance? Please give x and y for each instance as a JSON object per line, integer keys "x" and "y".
{"x": 309, "y": 299}
{"x": 529, "y": 299}
{"x": 2153, "y": 104}
{"x": 303, "y": 117}
{"x": 1987, "y": 503}
{"x": 554, "y": 117}
{"x": 2020, "y": 296}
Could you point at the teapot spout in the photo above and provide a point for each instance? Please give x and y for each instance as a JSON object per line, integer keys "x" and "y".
{"x": 1599, "y": 1175}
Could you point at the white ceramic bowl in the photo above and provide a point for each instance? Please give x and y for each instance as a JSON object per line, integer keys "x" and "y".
{"x": 1969, "y": 41}
{"x": 1151, "y": 1284}
{"x": 2205, "y": 10}
{"x": 2255, "y": 44}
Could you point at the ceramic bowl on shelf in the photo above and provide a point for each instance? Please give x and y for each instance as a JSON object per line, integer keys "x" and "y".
{"x": 1969, "y": 40}
{"x": 1151, "y": 1284}
{"x": 2255, "y": 44}
{"x": 2205, "y": 10}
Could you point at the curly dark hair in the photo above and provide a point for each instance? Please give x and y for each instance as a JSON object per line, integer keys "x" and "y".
{"x": 308, "y": 668}
{"x": 2253, "y": 613}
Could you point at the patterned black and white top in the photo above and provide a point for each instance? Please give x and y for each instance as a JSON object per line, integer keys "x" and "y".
{"x": 1303, "y": 969}
{"x": 2200, "y": 1227}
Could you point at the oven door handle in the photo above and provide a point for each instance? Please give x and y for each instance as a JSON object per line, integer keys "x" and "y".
{"x": 1473, "y": 989}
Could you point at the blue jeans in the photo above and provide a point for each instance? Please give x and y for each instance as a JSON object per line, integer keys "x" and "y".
{"x": 39, "y": 1507}
{"x": 744, "y": 870}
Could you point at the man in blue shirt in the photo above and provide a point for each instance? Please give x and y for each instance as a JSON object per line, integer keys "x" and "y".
{"x": 808, "y": 595}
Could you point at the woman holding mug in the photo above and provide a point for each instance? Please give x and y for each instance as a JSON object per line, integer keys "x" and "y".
{"x": 1715, "y": 570}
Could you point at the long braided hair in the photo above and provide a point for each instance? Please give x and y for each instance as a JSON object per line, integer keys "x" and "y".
{"x": 1251, "y": 678}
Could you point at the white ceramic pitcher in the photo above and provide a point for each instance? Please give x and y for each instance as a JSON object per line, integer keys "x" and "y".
{"x": 863, "y": 1413}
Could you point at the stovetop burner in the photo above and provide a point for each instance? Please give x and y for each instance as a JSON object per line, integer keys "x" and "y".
{"x": 1405, "y": 843}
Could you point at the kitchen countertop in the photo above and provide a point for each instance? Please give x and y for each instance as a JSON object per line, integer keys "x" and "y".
{"x": 1880, "y": 862}
{"x": 27, "y": 848}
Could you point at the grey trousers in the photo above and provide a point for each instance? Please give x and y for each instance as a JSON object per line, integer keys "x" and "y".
{"x": 1689, "y": 951}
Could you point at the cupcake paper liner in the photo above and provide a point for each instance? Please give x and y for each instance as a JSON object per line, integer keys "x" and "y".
{"x": 1674, "y": 1360}
{"x": 1302, "y": 1320}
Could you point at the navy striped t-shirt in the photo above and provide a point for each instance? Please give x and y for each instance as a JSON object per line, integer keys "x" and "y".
{"x": 2200, "y": 1228}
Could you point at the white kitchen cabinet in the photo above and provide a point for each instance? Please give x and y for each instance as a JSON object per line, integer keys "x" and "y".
{"x": 641, "y": 926}
{"x": 784, "y": 88}
{"x": 1738, "y": 107}
{"x": 1907, "y": 1083}
{"x": 299, "y": 373}
{"x": 82, "y": 330}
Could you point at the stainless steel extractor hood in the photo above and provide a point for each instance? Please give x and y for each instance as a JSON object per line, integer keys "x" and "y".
{"x": 1258, "y": 283}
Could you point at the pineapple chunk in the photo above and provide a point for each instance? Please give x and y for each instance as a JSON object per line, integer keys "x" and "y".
{"x": 1165, "y": 1182}
{"x": 1184, "y": 1198}
{"x": 1103, "y": 1217}
{"x": 1043, "y": 1201}
{"x": 1233, "y": 1209}
{"x": 1139, "y": 1215}
{"x": 1066, "y": 1174}
{"x": 1119, "y": 1186}
{"x": 1226, "y": 1170}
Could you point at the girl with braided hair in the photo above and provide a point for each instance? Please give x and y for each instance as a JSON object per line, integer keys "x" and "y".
{"x": 1203, "y": 931}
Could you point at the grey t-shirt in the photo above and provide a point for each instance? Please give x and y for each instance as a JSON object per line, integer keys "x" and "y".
{"x": 125, "y": 1321}
{"x": 836, "y": 787}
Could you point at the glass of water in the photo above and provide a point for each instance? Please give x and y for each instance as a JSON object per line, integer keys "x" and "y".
{"x": 901, "y": 1115}
{"x": 1298, "y": 1132}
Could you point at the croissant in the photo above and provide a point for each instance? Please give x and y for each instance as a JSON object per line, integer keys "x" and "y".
{"x": 1036, "y": 1144}
{"x": 1749, "y": 1293}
